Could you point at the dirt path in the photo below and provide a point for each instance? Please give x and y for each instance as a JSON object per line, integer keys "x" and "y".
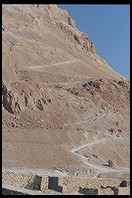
{"x": 99, "y": 168}
{"x": 57, "y": 172}
{"x": 60, "y": 63}
{"x": 45, "y": 172}
{"x": 89, "y": 144}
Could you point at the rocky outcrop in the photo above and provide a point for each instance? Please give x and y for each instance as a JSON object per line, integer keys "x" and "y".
{"x": 78, "y": 37}
{"x": 67, "y": 24}
{"x": 10, "y": 100}
{"x": 103, "y": 89}
{"x": 16, "y": 101}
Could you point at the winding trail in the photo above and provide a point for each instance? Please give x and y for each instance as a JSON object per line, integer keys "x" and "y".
{"x": 88, "y": 144}
{"x": 97, "y": 167}
{"x": 57, "y": 172}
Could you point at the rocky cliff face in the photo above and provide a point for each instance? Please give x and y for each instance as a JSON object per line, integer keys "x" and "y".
{"x": 67, "y": 24}
{"x": 58, "y": 94}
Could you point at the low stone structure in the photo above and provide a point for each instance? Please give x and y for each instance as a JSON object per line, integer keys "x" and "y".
{"x": 72, "y": 184}
{"x": 29, "y": 180}
{"x": 17, "y": 179}
{"x": 67, "y": 184}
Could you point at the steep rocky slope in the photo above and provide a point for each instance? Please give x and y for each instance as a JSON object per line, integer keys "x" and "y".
{"x": 63, "y": 105}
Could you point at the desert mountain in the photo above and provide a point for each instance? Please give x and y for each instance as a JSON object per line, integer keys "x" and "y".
{"x": 63, "y": 106}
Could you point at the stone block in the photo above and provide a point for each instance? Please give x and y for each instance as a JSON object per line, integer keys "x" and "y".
{"x": 44, "y": 184}
{"x": 105, "y": 191}
{"x": 17, "y": 179}
{"x": 124, "y": 191}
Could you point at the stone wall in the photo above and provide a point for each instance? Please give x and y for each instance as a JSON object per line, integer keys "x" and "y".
{"x": 72, "y": 184}
{"x": 29, "y": 181}
{"x": 67, "y": 184}
{"x": 17, "y": 179}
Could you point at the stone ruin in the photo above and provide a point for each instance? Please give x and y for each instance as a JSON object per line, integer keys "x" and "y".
{"x": 67, "y": 184}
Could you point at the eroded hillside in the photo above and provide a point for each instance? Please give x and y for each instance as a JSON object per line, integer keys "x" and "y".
{"x": 63, "y": 106}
